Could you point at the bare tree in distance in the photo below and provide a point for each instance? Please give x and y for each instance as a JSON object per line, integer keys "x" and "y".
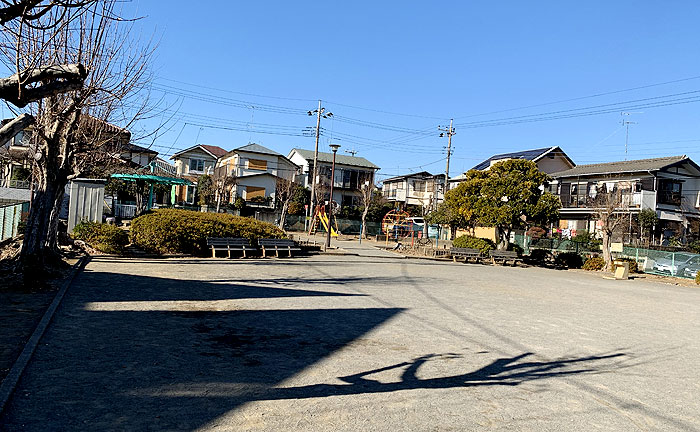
{"x": 284, "y": 192}
{"x": 366, "y": 190}
{"x": 73, "y": 128}
{"x": 223, "y": 182}
{"x": 611, "y": 210}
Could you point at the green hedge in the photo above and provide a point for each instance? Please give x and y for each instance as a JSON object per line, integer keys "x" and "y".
{"x": 634, "y": 266}
{"x": 103, "y": 237}
{"x": 465, "y": 241}
{"x": 185, "y": 231}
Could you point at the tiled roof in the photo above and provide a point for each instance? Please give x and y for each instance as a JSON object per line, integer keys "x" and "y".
{"x": 256, "y": 148}
{"x": 339, "y": 159}
{"x": 653, "y": 164}
{"x": 526, "y": 154}
{"x": 215, "y": 150}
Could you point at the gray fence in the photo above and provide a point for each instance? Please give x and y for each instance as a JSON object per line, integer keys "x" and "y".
{"x": 10, "y": 215}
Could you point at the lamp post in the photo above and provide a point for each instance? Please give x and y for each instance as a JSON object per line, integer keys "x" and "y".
{"x": 335, "y": 148}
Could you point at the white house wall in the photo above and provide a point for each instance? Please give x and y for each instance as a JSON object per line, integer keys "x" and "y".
{"x": 557, "y": 164}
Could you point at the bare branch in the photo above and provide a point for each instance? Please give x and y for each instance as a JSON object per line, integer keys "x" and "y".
{"x": 15, "y": 126}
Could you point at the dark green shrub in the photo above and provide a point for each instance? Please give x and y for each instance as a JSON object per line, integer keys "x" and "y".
{"x": 185, "y": 231}
{"x": 516, "y": 248}
{"x": 465, "y": 241}
{"x": 105, "y": 238}
{"x": 594, "y": 263}
{"x": 568, "y": 260}
{"x": 634, "y": 267}
{"x": 540, "y": 256}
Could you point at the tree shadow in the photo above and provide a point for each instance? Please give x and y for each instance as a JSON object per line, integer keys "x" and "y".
{"x": 96, "y": 368}
{"x": 507, "y": 371}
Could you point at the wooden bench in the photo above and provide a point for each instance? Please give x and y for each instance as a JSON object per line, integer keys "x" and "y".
{"x": 229, "y": 244}
{"x": 278, "y": 244}
{"x": 466, "y": 253}
{"x": 504, "y": 256}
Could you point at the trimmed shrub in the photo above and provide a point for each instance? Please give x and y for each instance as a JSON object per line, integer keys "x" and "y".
{"x": 697, "y": 278}
{"x": 517, "y": 248}
{"x": 466, "y": 241}
{"x": 540, "y": 256}
{"x": 105, "y": 238}
{"x": 634, "y": 267}
{"x": 594, "y": 263}
{"x": 185, "y": 231}
{"x": 570, "y": 260}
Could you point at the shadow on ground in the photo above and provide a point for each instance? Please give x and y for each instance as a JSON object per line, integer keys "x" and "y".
{"x": 163, "y": 370}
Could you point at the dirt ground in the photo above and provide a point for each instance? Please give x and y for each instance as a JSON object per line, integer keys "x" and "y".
{"x": 20, "y": 310}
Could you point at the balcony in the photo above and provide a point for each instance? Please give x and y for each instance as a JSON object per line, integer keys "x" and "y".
{"x": 635, "y": 200}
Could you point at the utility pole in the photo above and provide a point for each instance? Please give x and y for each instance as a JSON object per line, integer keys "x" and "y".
{"x": 320, "y": 112}
{"x": 449, "y": 132}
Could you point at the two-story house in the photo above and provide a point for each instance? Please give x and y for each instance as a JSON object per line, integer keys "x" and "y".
{"x": 421, "y": 189}
{"x": 190, "y": 164}
{"x": 351, "y": 172}
{"x": 549, "y": 160}
{"x": 668, "y": 185}
{"x": 256, "y": 170}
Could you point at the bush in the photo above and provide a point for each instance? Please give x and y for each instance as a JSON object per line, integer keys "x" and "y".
{"x": 697, "y": 278}
{"x": 634, "y": 267}
{"x": 540, "y": 256}
{"x": 517, "y": 248}
{"x": 105, "y": 238}
{"x": 465, "y": 241}
{"x": 594, "y": 263}
{"x": 568, "y": 260}
{"x": 185, "y": 231}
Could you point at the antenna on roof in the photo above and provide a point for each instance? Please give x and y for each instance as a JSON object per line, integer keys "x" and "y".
{"x": 198, "y": 132}
{"x": 626, "y": 124}
{"x": 351, "y": 152}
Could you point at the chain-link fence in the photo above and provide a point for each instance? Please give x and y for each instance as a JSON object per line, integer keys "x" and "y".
{"x": 678, "y": 264}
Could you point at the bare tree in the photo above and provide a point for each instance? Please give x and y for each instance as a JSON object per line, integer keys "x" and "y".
{"x": 366, "y": 191}
{"x": 284, "y": 192}
{"x": 611, "y": 210}
{"x": 103, "y": 70}
{"x": 223, "y": 182}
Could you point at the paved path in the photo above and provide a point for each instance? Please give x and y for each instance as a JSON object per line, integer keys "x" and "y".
{"x": 330, "y": 343}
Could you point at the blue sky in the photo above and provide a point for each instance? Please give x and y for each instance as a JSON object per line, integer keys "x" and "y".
{"x": 478, "y": 62}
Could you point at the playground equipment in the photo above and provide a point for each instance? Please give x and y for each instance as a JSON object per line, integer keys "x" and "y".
{"x": 321, "y": 218}
{"x": 396, "y": 224}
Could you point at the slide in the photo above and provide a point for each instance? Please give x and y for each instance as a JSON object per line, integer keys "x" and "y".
{"x": 324, "y": 221}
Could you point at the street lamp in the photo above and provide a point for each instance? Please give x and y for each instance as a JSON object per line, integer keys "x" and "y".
{"x": 335, "y": 148}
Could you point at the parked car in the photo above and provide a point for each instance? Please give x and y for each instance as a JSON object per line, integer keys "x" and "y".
{"x": 676, "y": 264}
{"x": 692, "y": 268}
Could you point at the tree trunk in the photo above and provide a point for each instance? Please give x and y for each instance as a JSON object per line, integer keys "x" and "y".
{"x": 40, "y": 244}
{"x": 505, "y": 238}
{"x": 363, "y": 233}
{"x": 605, "y": 246}
{"x": 283, "y": 215}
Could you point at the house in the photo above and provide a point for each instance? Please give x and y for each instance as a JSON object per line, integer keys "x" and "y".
{"x": 549, "y": 160}
{"x": 668, "y": 185}
{"x": 190, "y": 164}
{"x": 136, "y": 155}
{"x": 256, "y": 170}
{"x": 351, "y": 172}
{"x": 418, "y": 189}
{"x": 14, "y": 168}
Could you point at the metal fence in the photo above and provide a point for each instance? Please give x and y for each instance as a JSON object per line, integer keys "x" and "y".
{"x": 678, "y": 264}
{"x": 10, "y": 216}
{"x": 345, "y": 226}
{"x": 124, "y": 211}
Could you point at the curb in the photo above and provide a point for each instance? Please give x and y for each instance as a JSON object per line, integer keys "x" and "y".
{"x": 10, "y": 382}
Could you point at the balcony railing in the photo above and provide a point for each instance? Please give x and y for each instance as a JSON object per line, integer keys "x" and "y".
{"x": 632, "y": 200}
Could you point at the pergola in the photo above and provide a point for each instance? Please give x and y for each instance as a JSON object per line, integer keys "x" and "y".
{"x": 152, "y": 179}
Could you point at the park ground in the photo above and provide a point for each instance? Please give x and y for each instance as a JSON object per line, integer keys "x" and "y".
{"x": 365, "y": 342}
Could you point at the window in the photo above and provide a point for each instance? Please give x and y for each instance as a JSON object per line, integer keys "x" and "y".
{"x": 196, "y": 165}
{"x": 189, "y": 198}
{"x": 670, "y": 192}
{"x": 257, "y": 164}
{"x": 253, "y": 192}
{"x": 419, "y": 186}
